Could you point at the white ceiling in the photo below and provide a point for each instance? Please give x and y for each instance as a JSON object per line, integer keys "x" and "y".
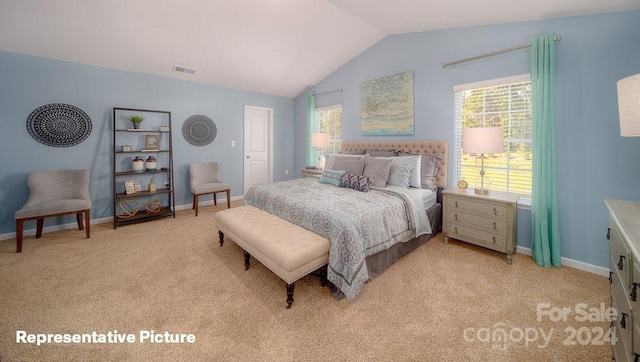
{"x": 279, "y": 47}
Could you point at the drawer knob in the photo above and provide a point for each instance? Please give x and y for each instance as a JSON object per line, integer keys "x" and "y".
{"x": 610, "y": 277}
{"x": 495, "y": 212}
{"x": 634, "y": 294}
{"x": 608, "y": 233}
{"x": 456, "y": 229}
{"x": 494, "y": 239}
{"x": 456, "y": 202}
{"x": 456, "y": 217}
{"x": 621, "y": 262}
{"x": 494, "y": 226}
{"x": 623, "y": 320}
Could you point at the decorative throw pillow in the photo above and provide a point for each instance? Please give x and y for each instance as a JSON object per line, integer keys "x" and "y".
{"x": 408, "y": 159}
{"x": 332, "y": 177}
{"x": 400, "y": 174}
{"x": 377, "y": 169}
{"x": 429, "y": 168}
{"x": 356, "y": 182}
{"x": 382, "y": 153}
{"x": 354, "y": 166}
{"x": 337, "y": 162}
{"x": 416, "y": 161}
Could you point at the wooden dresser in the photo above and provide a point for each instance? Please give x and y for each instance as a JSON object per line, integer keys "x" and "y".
{"x": 624, "y": 276}
{"x": 484, "y": 220}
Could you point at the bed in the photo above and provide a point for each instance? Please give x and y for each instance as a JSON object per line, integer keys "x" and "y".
{"x": 350, "y": 219}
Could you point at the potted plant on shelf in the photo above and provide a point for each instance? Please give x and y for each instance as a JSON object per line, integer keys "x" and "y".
{"x": 136, "y": 120}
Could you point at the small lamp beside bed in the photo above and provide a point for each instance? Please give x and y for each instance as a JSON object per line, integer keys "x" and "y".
{"x": 482, "y": 140}
{"x": 320, "y": 141}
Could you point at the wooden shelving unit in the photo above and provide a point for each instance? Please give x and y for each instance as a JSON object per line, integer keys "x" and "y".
{"x": 143, "y": 205}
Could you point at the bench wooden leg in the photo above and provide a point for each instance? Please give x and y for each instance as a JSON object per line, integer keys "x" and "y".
{"x": 215, "y": 200}
{"x": 323, "y": 275}
{"x": 221, "y": 236}
{"x": 247, "y": 259}
{"x": 228, "y": 199}
{"x": 290, "y": 288}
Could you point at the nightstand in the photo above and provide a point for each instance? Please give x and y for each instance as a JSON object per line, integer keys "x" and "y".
{"x": 311, "y": 173}
{"x": 484, "y": 220}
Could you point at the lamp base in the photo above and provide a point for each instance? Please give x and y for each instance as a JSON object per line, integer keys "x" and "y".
{"x": 482, "y": 192}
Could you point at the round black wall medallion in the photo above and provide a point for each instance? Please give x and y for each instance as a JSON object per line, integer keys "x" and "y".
{"x": 59, "y": 125}
{"x": 199, "y": 130}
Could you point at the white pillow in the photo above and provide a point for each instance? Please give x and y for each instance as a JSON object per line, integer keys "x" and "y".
{"x": 331, "y": 159}
{"x": 416, "y": 161}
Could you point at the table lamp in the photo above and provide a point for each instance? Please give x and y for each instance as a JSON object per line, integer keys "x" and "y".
{"x": 482, "y": 140}
{"x": 320, "y": 141}
{"x": 629, "y": 106}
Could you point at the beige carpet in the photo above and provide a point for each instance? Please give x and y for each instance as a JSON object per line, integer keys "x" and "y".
{"x": 440, "y": 303}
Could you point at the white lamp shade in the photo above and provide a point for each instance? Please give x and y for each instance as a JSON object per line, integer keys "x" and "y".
{"x": 320, "y": 140}
{"x": 629, "y": 106}
{"x": 482, "y": 140}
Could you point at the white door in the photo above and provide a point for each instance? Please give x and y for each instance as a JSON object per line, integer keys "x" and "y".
{"x": 258, "y": 167}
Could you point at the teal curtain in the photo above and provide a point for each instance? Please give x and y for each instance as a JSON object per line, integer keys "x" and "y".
{"x": 311, "y": 113}
{"x": 545, "y": 239}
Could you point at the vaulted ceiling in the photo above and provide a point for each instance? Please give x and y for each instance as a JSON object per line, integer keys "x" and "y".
{"x": 279, "y": 47}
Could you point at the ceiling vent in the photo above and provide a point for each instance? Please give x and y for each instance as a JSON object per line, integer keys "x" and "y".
{"x": 181, "y": 69}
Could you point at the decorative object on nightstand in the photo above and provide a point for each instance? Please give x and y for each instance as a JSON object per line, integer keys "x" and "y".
{"x": 482, "y": 140}
{"x": 629, "y": 106}
{"x": 485, "y": 220}
{"x": 462, "y": 184}
{"x": 320, "y": 141}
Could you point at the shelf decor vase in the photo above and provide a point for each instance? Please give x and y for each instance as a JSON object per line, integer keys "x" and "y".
{"x": 151, "y": 163}
{"x": 137, "y": 164}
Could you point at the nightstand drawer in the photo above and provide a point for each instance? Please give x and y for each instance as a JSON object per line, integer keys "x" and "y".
{"x": 490, "y": 240}
{"x": 498, "y": 211}
{"x": 487, "y": 224}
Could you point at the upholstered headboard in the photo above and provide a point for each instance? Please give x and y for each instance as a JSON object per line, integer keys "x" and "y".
{"x": 436, "y": 148}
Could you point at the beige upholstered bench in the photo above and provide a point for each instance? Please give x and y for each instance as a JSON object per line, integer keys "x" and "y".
{"x": 288, "y": 250}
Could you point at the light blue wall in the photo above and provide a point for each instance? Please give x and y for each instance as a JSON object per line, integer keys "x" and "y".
{"x": 594, "y": 162}
{"x": 29, "y": 82}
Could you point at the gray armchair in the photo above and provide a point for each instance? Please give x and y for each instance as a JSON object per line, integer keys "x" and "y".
{"x": 53, "y": 193}
{"x": 204, "y": 179}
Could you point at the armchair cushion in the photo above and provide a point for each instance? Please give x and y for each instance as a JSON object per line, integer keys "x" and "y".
{"x": 56, "y": 192}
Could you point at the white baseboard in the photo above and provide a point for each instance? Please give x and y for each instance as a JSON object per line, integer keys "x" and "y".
{"x": 74, "y": 225}
{"x": 595, "y": 269}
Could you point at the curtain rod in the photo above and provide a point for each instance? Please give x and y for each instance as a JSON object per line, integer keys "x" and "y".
{"x": 501, "y": 51}
{"x": 329, "y": 91}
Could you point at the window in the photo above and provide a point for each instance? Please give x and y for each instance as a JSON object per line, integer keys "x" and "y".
{"x": 504, "y": 102}
{"x": 329, "y": 120}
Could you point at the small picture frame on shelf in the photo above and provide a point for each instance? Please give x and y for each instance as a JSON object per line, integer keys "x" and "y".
{"x": 151, "y": 142}
{"x": 131, "y": 187}
{"x": 164, "y": 128}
